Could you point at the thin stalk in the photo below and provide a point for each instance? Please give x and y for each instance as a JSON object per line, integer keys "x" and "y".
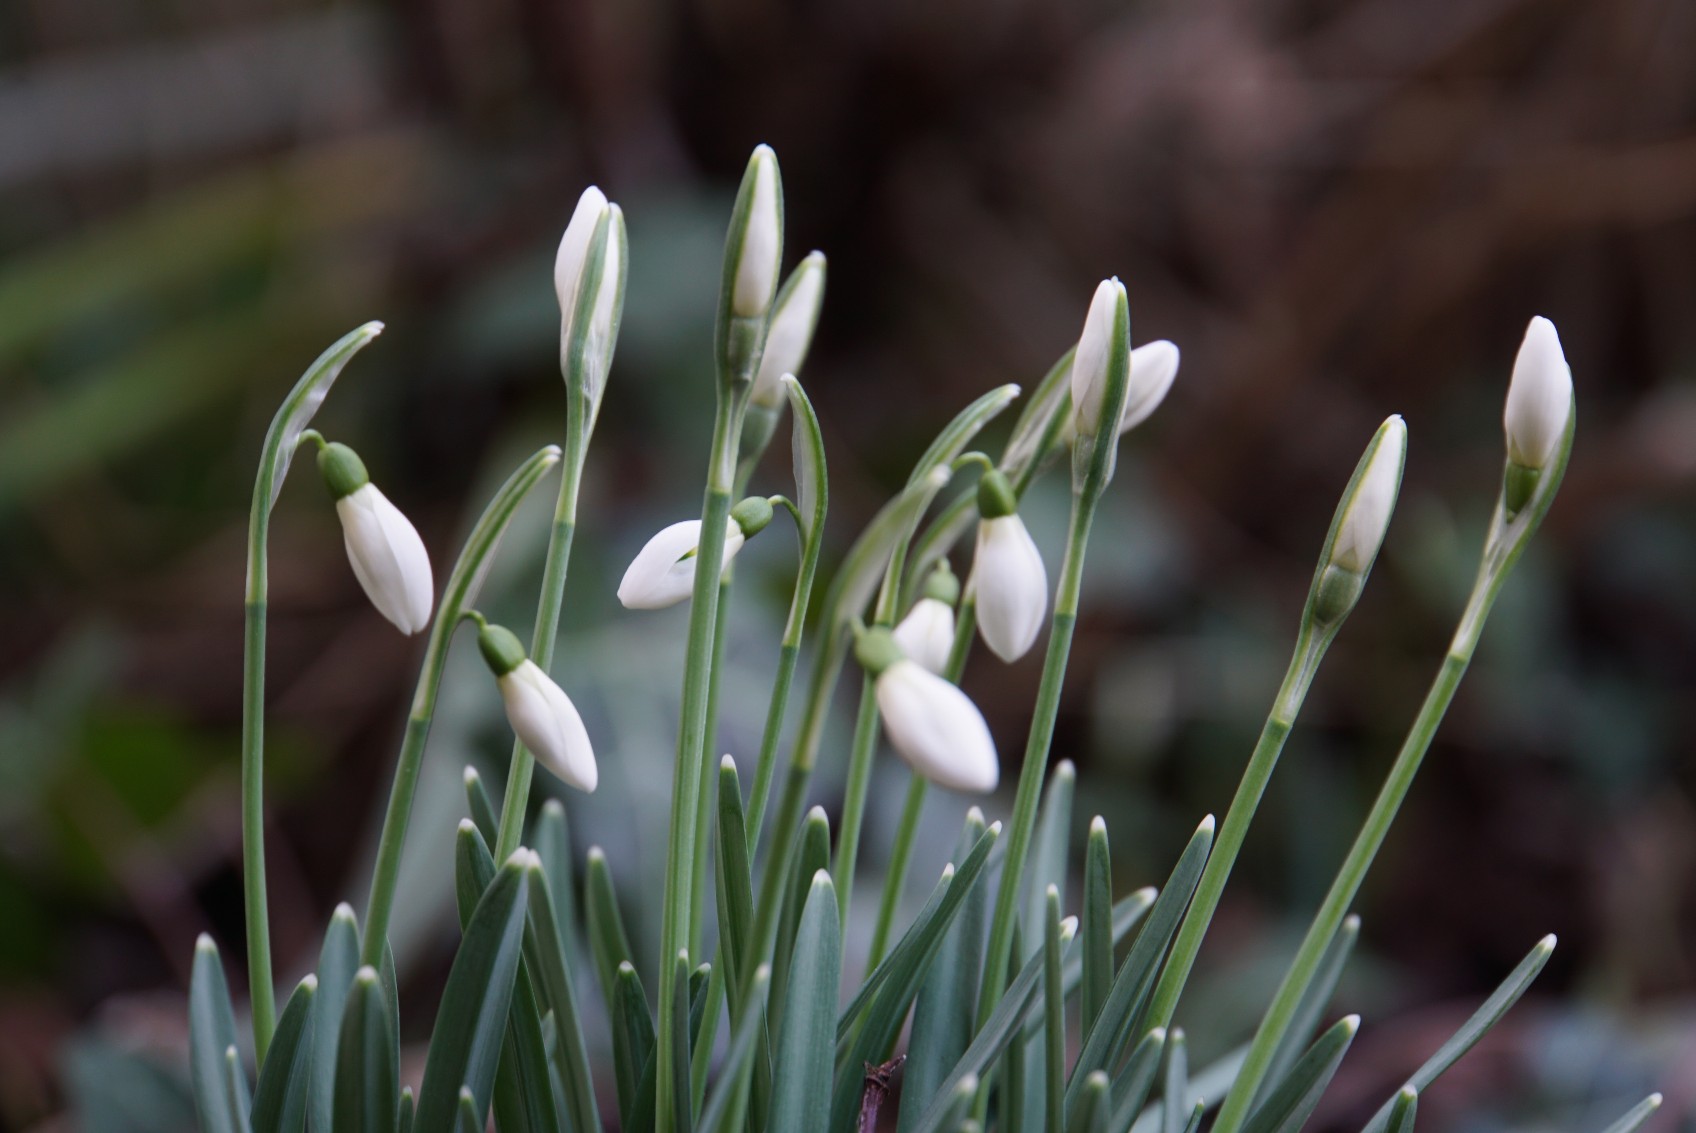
{"x": 709, "y": 770}
{"x": 515, "y": 803}
{"x": 1366, "y": 845}
{"x": 260, "y": 989}
{"x": 1035, "y": 769}
{"x": 1310, "y": 649}
{"x": 854, "y": 796}
{"x": 691, "y": 737}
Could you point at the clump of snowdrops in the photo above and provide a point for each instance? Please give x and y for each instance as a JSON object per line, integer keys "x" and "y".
{"x": 1016, "y": 1016}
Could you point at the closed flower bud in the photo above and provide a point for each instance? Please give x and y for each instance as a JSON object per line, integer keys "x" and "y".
{"x": 663, "y": 572}
{"x": 1094, "y": 352}
{"x": 383, "y": 547}
{"x": 793, "y": 318}
{"x": 573, "y": 254}
{"x": 1366, "y": 516}
{"x": 926, "y": 634}
{"x": 1154, "y": 365}
{"x": 572, "y": 267}
{"x": 1008, "y": 578}
{"x": 1539, "y": 403}
{"x": 931, "y": 724}
{"x": 542, "y": 716}
{"x": 760, "y": 248}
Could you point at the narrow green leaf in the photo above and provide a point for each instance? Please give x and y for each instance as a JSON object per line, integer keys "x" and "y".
{"x": 1305, "y": 1023}
{"x": 700, "y": 982}
{"x": 608, "y": 944}
{"x": 947, "y": 1001}
{"x": 297, "y": 409}
{"x": 212, "y": 1031}
{"x": 403, "y": 1118}
{"x": 802, "y": 1075}
{"x": 338, "y": 959}
{"x": 279, "y": 1100}
{"x": 470, "y": 1119}
{"x": 1475, "y": 1028}
{"x": 632, "y": 1041}
{"x": 1640, "y": 1113}
{"x": 1097, "y": 926}
{"x": 471, "y": 1022}
{"x": 1054, "y": 1016}
{"x": 1403, "y": 1110}
{"x": 682, "y": 1111}
{"x": 235, "y": 1088}
{"x": 1175, "y": 1093}
{"x": 544, "y": 955}
{"x": 367, "y": 1061}
{"x": 735, "y": 886}
{"x": 552, "y": 840}
{"x": 1135, "y": 1082}
{"x": 1196, "y": 1114}
{"x": 1287, "y": 1108}
{"x": 814, "y": 855}
{"x": 954, "y": 1111}
{"x": 728, "y": 1103}
{"x": 482, "y": 810}
{"x": 1128, "y": 911}
{"x": 1131, "y": 987}
{"x": 1048, "y": 851}
{"x": 807, "y": 441}
{"x": 1002, "y": 1026}
{"x": 1094, "y": 1109}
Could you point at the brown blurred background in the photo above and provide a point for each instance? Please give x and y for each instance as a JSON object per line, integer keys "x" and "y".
{"x": 1337, "y": 208}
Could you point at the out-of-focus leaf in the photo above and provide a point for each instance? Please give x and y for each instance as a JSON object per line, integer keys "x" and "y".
{"x": 367, "y": 1061}
{"x": 801, "y": 1078}
{"x": 279, "y": 1100}
{"x": 212, "y": 1032}
{"x": 338, "y": 960}
{"x": 1287, "y": 1108}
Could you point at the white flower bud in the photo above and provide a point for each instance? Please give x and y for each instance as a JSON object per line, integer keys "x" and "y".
{"x": 547, "y": 723}
{"x": 1011, "y": 586}
{"x": 926, "y": 634}
{"x": 757, "y": 260}
{"x": 791, "y": 330}
{"x": 663, "y": 572}
{"x": 937, "y": 729}
{"x": 1153, "y": 367}
{"x": 387, "y": 557}
{"x": 1539, "y": 402}
{"x": 1095, "y": 348}
{"x": 573, "y": 253}
{"x": 1367, "y": 515}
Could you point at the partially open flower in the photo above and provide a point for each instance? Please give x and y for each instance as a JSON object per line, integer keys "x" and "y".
{"x": 542, "y": 716}
{"x": 931, "y": 724}
{"x": 1008, "y": 578}
{"x": 663, "y": 571}
{"x": 1539, "y": 402}
{"x": 926, "y": 634}
{"x": 383, "y": 547}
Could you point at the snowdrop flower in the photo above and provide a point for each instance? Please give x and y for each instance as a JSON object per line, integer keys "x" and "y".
{"x": 1154, "y": 365}
{"x": 571, "y": 269}
{"x": 1107, "y": 319}
{"x": 1008, "y": 578}
{"x": 793, "y": 317}
{"x": 383, "y": 548}
{"x": 932, "y": 725}
{"x": 1538, "y": 411}
{"x": 663, "y": 571}
{"x": 926, "y": 634}
{"x": 1364, "y": 518}
{"x": 542, "y": 716}
{"x": 759, "y": 245}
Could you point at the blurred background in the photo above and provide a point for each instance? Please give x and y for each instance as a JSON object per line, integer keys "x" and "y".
{"x": 1337, "y": 208}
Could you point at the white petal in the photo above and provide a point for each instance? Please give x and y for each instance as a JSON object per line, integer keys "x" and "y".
{"x": 544, "y": 718}
{"x": 1089, "y": 361}
{"x": 791, "y": 331}
{"x": 762, "y": 242}
{"x": 660, "y": 575}
{"x": 1153, "y": 367}
{"x": 1368, "y": 516}
{"x": 1012, "y": 587}
{"x": 926, "y": 634}
{"x": 1539, "y": 396}
{"x": 574, "y": 251}
{"x": 387, "y": 557}
{"x": 608, "y": 306}
{"x": 936, "y": 728}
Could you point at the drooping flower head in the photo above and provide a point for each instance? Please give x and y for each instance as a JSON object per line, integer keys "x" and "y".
{"x": 931, "y": 724}
{"x": 541, "y": 715}
{"x": 663, "y": 571}
{"x": 383, "y": 547}
{"x": 1009, "y": 581}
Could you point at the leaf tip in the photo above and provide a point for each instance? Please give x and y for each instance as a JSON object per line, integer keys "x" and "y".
{"x": 344, "y": 913}
{"x": 366, "y": 975}
{"x": 205, "y": 944}
{"x": 728, "y": 763}
{"x": 1066, "y": 770}
{"x": 596, "y": 856}
{"x": 309, "y": 982}
{"x": 1350, "y": 1024}
{"x": 1206, "y": 826}
{"x": 1547, "y": 944}
{"x": 552, "y": 809}
{"x": 1098, "y": 826}
{"x": 466, "y": 826}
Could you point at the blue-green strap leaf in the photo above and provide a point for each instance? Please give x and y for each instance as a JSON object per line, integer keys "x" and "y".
{"x": 212, "y": 1032}
{"x": 1287, "y": 1108}
{"x": 367, "y": 1061}
{"x": 801, "y": 1077}
{"x": 338, "y": 960}
{"x": 279, "y": 1100}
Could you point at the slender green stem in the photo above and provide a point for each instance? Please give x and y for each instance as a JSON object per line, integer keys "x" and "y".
{"x": 709, "y": 771}
{"x": 515, "y": 803}
{"x": 691, "y": 737}
{"x": 854, "y": 796}
{"x": 1310, "y": 649}
{"x": 395, "y": 822}
{"x": 1366, "y": 845}
{"x": 1035, "y": 769}
{"x": 260, "y": 989}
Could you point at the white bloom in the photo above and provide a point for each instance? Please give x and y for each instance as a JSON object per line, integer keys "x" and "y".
{"x": 573, "y": 252}
{"x": 387, "y": 557}
{"x": 762, "y": 241}
{"x": 1367, "y": 516}
{"x": 544, "y": 718}
{"x": 1539, "y": 397}
{"x": 1011, "y": 586}
{"x": 926, "y": 634}
{"x": 936, "y": 728}
{"x": 791, "y": 330}
{"x": 1153, "y": 367}
{"x": 1089, "y": 361}
{"x": 663, "y": 572}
